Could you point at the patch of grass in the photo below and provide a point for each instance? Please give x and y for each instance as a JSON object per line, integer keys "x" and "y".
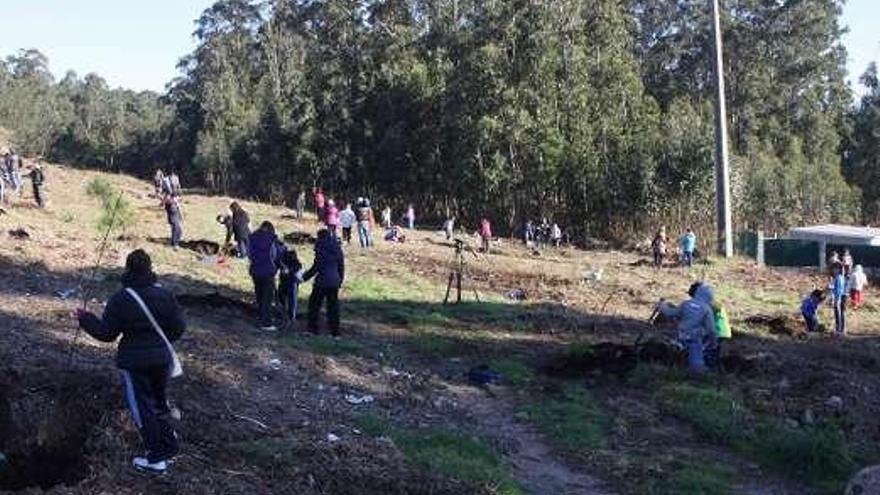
{"x": 716, "y": 413}
{"x": 513, "y": 371}
{"x": 326, "y": 345}
{"x": 449, "y": 453}
{"x": 433, "y": 345}
{"x": 700, "y": 479}
{"x": 267, "y": 453}
{"x": 572, "y": 419}
{"x": 818, "y": 453}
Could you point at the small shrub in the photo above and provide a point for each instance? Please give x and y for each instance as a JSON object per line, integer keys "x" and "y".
{"x": 513, "y": 371}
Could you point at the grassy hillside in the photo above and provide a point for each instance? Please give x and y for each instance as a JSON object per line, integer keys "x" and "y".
{"x": 276, "y": 413}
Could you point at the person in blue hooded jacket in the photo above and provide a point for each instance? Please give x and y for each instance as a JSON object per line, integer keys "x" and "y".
{"x": 328, "y": 270}
{"x": 696, "y": 327}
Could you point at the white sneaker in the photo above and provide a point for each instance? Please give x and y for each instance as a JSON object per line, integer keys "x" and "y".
{"x": 142, "y": 464}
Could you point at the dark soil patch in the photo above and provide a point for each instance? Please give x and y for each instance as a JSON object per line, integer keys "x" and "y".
{"x": 215, "y": 301}
{"x": 45, "y": 428}
{"x": 19, "y": 234}
{"x": 779, "y": 325}
{"x": 299, "y": 238}
{"x": 201, "y": 246}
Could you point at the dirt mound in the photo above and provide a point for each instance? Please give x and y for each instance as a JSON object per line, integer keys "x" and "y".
{"x": 45, "y": 427}
{"x": 201, "y": 246}
{"x": 215, "y": 301}
{"x": 777, "y": 324}
{"x": 299, "y": 238}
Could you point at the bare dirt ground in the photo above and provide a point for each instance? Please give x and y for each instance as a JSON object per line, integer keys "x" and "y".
{"x": 280, "y": 413}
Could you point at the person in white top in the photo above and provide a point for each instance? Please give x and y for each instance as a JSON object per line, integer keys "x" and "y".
{"x": 347, "y": 219}
{"x": 856, "y": 284}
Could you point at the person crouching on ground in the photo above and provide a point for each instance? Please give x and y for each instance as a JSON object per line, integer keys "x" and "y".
{"x": 264, "y": 251}
{"x": 143, "y": 356}
{"x": 856, "y": 284}
{"x": 838, "y": 299}
{"x": 810, "y": 310}
{"x": 696, "y": 328}
{"x": 329, "y": 273}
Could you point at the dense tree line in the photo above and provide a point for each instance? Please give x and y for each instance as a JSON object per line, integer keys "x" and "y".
{"x": 594, "y": 112}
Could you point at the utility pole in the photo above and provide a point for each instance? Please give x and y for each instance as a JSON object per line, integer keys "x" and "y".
{"x": 722, "y": 168}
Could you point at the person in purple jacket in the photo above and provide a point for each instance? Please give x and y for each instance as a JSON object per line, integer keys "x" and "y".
{"x": 264, "y": 252}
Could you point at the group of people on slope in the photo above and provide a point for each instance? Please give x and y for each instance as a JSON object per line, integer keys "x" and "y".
{"x": 543, "y": 234}
{"x": 269, "y": 256}
{"x": 359, "y": 215}
{"x": 846, "y": 289}
{"x": 687, "y": 247}
{"x": 11, "y": 177}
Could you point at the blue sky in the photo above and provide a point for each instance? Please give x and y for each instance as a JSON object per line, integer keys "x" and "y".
{"x": 136, "y": 43}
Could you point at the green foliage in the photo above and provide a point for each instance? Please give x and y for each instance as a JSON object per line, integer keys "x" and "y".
{"x": 513, "y": 371}
{"x": 691, "y": 478}
{"x": 116, "y": 212}
{"x": 572, "y": 419}
{"x": 453, "y": 454}
{"x": 818, "y": 453}
{"x": 596, "y": 113}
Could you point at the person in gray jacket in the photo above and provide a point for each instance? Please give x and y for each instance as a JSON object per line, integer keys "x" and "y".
{"x": 696, "y": 326}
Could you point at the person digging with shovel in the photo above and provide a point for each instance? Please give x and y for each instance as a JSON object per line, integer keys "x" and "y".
{"x": 149, "y": 318}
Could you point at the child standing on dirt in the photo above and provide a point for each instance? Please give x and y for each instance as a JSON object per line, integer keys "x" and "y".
{"x": 288, "y": 282}
{"x": 856, "y": 286}
{"x": 410, "y": 217}
{"x": 838, "y": 299}
{"x": 485, "y": 233}
{"x": 696, "y": 328}
{"x": 722, "y": 333}
{"x": 658, "y": 247}
{"x": 449, "y": 228}
{"x": 810, "y": 310}
{"x": 144, "y": 355}
{"x": 688, "y": 246}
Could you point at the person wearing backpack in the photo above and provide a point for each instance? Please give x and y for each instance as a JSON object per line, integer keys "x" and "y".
{"x": 149, "y": 319}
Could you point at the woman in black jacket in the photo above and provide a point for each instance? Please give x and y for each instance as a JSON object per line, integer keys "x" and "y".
{"x": 241, "y": 228}
{"x": 143, "y": 357}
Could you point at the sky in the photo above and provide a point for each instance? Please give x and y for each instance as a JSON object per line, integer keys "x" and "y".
{"x": 136, "y": 43}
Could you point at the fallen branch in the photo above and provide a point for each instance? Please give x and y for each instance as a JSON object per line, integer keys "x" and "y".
{"x": 251, "y": 420}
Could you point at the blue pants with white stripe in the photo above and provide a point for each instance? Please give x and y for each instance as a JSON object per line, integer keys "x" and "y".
{"x": 145, "y": 394}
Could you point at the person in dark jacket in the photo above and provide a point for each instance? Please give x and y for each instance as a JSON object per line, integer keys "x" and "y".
{"x": 264, "y": 251}
{"x": 175, "y": 219}
{"x": 329, "y": 273}
{"x": 289, "y": 280}
{"x": 142, "y": 356}
{"x": 38, "y": 179}
{"x": 241, "y": 228}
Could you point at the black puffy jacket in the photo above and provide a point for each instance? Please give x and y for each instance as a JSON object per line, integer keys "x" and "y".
{"x": 329, "y": 265}
{"x": 140, "y": 346}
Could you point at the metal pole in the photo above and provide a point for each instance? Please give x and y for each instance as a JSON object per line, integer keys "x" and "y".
{"x": 722, "y": 169}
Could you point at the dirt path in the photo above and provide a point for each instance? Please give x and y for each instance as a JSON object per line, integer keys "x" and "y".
{"x": 533, "y": 462}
